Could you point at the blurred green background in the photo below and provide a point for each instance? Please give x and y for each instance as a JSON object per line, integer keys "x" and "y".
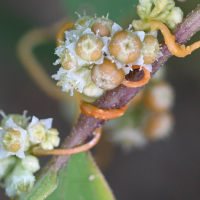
{"x": 168, "y": 169}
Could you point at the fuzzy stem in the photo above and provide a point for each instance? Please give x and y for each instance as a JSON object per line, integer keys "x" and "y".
{"x": 120, "y": 96}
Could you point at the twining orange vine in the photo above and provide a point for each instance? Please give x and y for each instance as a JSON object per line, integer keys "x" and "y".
{"x": 90, "y": 110}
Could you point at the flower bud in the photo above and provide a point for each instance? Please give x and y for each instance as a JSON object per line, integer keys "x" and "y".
{"x": 175, "y": 17}
{"x": 53, "y": 131}
{"x": 101, "y": 26}
{"x": 82, "y": 22}
{"x": 159, "y": 97}
{"x": 106, "y": 75}
{"x": 68, "y": 60}
{"x": 89, "y": 48}
{"x": 125, "y": 46}
{"x": 19, "y": 181}
{"x": 150, "y": 49}
{"x": 54, "y": 140}
{"x": 159, "y": 126}
{"x": 30, "y": 163}
{"x": 6, "y": 164}
{"x": 92, "y": 90}
{"x": 46, "y": 145}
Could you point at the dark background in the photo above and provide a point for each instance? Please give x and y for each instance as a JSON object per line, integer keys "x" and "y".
{"x": 168, "y": 169}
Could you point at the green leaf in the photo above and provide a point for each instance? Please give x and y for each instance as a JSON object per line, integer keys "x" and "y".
{"x": 44, "y": 186}
{"x": 81, "y": 180}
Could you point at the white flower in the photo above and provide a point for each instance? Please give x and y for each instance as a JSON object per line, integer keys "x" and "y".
{"x": 37, "y": 129}
{"x": 19, "y": 181}
{"x": 12, "y": 140}
{"x": 70, "y": 80}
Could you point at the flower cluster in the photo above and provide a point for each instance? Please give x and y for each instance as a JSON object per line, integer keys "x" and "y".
{"x": 98, "y": 53}
{"x": 148, "y": 118}
{"x": 158, "y": 10}
{"x": 17, "y": 137}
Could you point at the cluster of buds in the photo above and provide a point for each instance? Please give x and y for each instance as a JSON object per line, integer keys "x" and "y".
{"x": 17, "y": 137}
{"x": 98, "y": 53}
{"x": 158, "y": 10}
{"x": 149, "y": 117}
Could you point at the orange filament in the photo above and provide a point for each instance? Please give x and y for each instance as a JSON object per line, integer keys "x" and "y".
{"x": 60, "y": 34}
{"x": 174, "y": 48}
{"x": 38, "y": 151}
{"x": 93, "y": 111}
{"x": 143, "y": 81}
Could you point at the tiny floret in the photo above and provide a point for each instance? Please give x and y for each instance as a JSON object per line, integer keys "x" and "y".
{"x": 12, "y": 140}
{"x": 37, "y": 129}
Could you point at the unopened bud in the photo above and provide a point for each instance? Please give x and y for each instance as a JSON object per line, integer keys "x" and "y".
{"x": 54, "y": 140}
{"x": 92, "y": 90}
{"x": 160, "y": 97}
{"x": 30, "y": 163}
{"x": 68, "y": 60}
{"x": 150, "y": 49}
{"x": 159, "y": 126}
{"x": 46, "y": 145}
{"x": 101, "y": 26}
{"x": 82, "y": 23}
{"x": 106, "y": 75}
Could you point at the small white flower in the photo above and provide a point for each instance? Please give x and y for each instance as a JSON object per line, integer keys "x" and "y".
{"x": 12, "y": 140}
{"x": 70, "y": 80}
{"x": 37, "y": 129}
{"x": 19, "y": 181}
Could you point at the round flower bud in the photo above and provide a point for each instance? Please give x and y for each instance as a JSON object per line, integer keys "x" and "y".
{"x": 46, "y": 145}
{"x": 30, "y": 163}
{"x": 89, "y": 48}
{"x": 101, "y": 26}
{"x": 150, "y": 49}
{"x": 68, "y": 60}
{"x": 92, "y": 90}
{"x": 125, "y": 46}
{"x": 54, "y": 140}
{"x": 12, "y": 140}
{"x": 159, "y": 126}
{"x": 106, "y": 75}
{"x": 53, "y": 131}
{"x": 6, "y": 165}
{"x": 159, "y": 97}
{"x": 82, "y": 22}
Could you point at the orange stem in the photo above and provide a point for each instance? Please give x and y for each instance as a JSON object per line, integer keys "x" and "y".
{"x": 143, "y": 81}
{"x": 38, "y": 151}
{"x": 60, "y": 34}
{"x": 93, "y": 111}
{"x": 174, "y": 48}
